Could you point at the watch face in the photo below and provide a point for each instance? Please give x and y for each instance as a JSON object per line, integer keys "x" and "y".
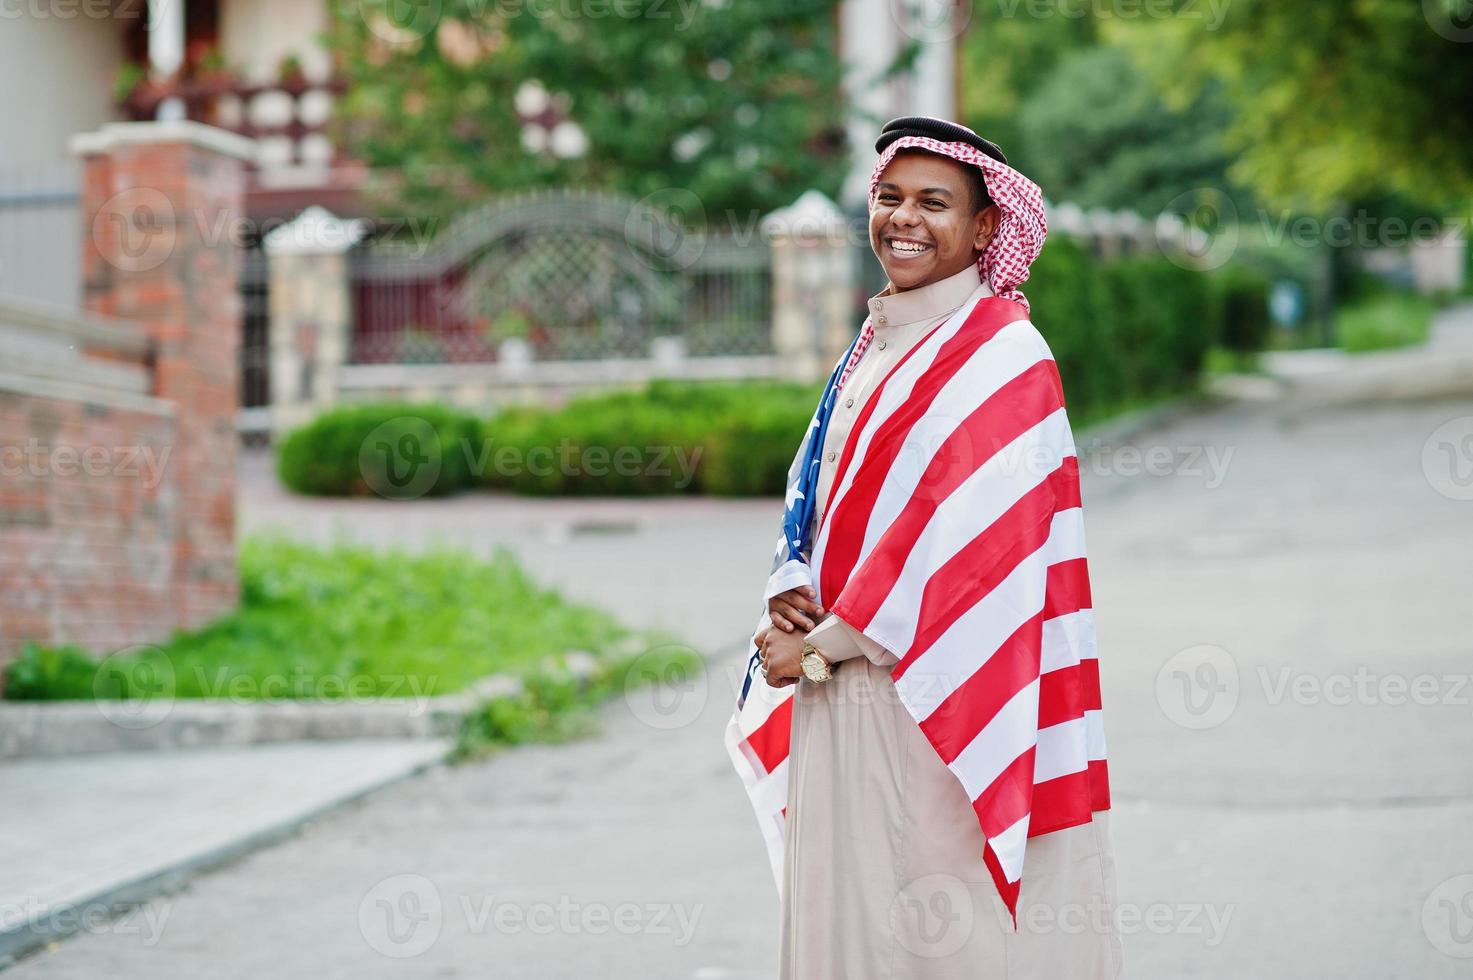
{"x": 814, "y": 667}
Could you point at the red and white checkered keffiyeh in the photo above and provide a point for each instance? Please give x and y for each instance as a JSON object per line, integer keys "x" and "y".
{"x": 1016, "y": 242}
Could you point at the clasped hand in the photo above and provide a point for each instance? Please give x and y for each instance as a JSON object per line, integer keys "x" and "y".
{"x": 781, "y": 644}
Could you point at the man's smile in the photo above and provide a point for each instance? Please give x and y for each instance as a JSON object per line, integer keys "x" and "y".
{"x": 907, "y": 248}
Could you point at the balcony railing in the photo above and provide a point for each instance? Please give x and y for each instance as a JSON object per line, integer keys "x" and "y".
{"x": 288, "y": 117}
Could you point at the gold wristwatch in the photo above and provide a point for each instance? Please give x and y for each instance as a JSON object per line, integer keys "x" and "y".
{"x": 815, "y": 667}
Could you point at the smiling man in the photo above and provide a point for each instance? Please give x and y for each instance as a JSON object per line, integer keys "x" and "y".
{"x": 920, "y": 726}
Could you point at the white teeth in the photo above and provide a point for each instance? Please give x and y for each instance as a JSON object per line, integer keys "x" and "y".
{"x": 909, "y": 248}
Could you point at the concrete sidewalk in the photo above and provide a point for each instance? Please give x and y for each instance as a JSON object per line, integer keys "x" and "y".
{"x": 1440, "y": 368}
{"x": 83, "y": 838}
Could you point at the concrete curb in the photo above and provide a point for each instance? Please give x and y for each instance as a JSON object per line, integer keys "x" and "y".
{"x": 58, "y": 923}
{"x": 31, "y": 729}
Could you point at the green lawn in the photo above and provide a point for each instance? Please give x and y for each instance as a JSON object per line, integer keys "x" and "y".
{"x": 344, "y": 621}
{"x": 1384, "y": 321}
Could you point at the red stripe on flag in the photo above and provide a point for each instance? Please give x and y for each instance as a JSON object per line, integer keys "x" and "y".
{"x": 1007, "y": 890}
{"x": 1059, "y": 803}
{"x": 769, "y": 741}
{"x": 1089, "y": 684}
{"x": 1071, "y": 800}
{"x": 1099, "y": 784}
{"x": 1068, "y": 587}
{"x": 967, "y": 710}
{"x": 1008, "y": 413}
{"x": 1009, "y": 798}
{"x": 850, "y": 515}
{"x": 1060, "y": 698}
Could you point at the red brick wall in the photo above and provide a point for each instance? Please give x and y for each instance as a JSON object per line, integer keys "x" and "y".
{"x": 88, "y": 519}
{"x": 100, "y": 558}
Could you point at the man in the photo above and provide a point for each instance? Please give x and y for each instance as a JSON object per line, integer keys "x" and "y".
{"x": 920, "y": 721}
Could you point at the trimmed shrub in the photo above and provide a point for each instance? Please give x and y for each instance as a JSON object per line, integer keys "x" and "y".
{"x": 748, "y": 454}
{"x": 383, "y": 448}
{"x": 1122, "y": 332}
{"x": 673, "y": 437}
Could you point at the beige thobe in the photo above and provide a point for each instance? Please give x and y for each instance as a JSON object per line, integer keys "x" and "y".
{"x": 884, "y": 876}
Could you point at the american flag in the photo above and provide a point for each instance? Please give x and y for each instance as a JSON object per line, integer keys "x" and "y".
{"x": 955, "y": 538}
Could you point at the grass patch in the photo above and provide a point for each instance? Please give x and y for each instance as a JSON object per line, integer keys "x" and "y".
{"x": 556, "y": 705}
{"x": 1225, "y": 360}
{"x": 1384, "y": 321}
{"x": 352, "y": 622}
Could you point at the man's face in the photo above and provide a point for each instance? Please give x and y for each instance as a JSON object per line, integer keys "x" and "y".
{"x": 921, "y": 225}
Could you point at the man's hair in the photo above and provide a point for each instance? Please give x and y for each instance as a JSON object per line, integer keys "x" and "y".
{"x": 978, "y": 184}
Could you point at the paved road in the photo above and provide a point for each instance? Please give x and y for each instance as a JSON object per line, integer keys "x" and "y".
{"x": 1282, "y": 600}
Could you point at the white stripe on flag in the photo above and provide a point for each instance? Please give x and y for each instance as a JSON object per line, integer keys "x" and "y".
{"x": 1009, "y": 846}
{"x": 1067, "y": 640}
{"x": 791, "y": 574}
{"x": 1061, "y": 751}
{"x": 1007, "y": 735}
{"x": 1094, "y": 729}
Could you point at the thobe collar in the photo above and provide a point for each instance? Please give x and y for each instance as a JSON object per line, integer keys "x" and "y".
{"x": 889, "y": 310}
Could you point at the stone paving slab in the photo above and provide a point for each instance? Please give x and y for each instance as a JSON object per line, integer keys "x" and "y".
{"x": 83, "y": 837}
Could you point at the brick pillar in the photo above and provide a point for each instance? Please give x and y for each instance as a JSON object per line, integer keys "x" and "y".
{"x": 163, "y": 211}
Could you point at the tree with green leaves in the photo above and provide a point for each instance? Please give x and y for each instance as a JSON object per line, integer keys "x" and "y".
{"x": 1005, "y": 56}
{"x": 1097, "y": 134}
{"x": 737, "y": 102}
{"x": 1330, "y": 102}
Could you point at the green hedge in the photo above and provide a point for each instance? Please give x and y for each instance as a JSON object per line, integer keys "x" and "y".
{"x": 392, "y": 449}
{"x": 1124, "y": 333}
{"x": 726, "y": 439}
